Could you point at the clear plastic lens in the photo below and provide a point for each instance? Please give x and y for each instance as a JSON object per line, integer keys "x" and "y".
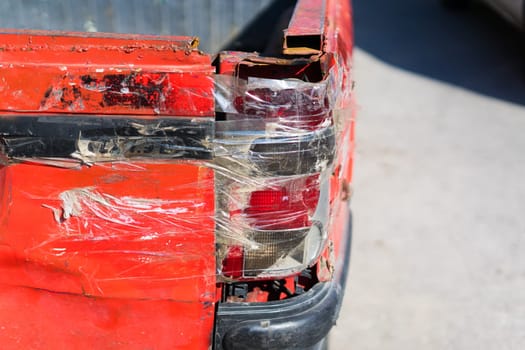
{"x": 275, "y": 250}
{"x": 274, "y": 253}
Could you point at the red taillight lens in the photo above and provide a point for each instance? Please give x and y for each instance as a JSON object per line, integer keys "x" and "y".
{"x": 233, "y": 263}
{"x": 285, "y": 207}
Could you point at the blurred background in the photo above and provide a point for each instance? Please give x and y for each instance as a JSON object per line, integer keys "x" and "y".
{"x": 438, "y": 260}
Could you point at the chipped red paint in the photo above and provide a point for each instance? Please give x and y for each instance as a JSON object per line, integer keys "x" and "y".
{"x": 104, "y": 74}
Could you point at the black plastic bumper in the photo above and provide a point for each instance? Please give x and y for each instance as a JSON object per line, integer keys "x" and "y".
{"x": 297, "y": 323}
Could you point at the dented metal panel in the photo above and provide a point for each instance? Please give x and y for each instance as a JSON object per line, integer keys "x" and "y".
{"x": 122, "y": 254}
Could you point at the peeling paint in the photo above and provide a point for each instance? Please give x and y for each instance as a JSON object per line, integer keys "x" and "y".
{"x": 147, "y": 77}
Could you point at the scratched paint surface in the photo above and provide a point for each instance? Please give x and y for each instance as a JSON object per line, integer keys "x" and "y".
{"x": 113, "y": 230}
{"x": 136, "y": 239}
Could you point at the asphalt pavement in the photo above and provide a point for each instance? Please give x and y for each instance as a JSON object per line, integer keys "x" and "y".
{"x": 438, "y": 260}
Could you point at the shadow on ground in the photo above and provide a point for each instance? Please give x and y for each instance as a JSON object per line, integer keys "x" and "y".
{"x": 473, "y": 49}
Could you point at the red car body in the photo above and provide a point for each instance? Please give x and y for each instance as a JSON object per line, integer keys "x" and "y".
{"x": 152, "y": 197}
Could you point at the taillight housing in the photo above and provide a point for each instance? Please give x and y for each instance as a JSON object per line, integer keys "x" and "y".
{"x": 273, "y": 149}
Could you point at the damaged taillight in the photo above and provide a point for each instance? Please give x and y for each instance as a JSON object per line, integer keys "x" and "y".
{"x": 276, "y": 229}
{"x": 274, "y": 145}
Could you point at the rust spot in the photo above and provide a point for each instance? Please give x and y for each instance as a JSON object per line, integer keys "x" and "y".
{"x": 70, "y": 95}
{"x": 135, "y": 90}
{"x": 194, "y": 43}
{"x": 346, "y": 191}
{"x": 46, "y": 95}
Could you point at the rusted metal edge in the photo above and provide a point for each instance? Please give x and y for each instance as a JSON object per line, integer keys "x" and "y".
{"x": 244, "y": 65}
{"x": 305, "y": 33}
{"x": 32, "y": 36}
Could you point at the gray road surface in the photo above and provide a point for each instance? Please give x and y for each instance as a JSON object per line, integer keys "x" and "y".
{"x": 438, "y": 259}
